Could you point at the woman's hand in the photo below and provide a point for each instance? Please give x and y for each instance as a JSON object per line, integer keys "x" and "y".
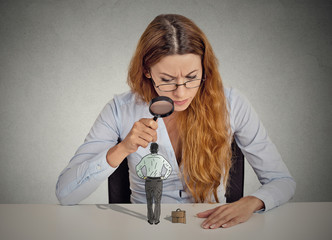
{"x": 231, "y": 214}
{"x": 141, "y": 134}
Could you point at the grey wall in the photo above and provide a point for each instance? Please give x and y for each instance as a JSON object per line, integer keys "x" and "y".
{"x": 62, "y": 61}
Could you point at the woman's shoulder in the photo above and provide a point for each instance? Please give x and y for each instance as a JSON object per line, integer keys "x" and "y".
{"x": 127, "y": 104}
{"x": 127, "y": 97}
{"x": 234, "y": 96}
{"x": 238, "y": 105}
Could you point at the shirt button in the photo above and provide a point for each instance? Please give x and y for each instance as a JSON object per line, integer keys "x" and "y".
{"x": 98, "y": 167}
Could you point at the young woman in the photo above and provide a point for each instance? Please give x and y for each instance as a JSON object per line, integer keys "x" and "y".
{"x": 174, "y": 59}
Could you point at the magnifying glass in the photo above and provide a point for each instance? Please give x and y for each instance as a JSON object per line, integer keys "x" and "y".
{"x": 161, "y": 106}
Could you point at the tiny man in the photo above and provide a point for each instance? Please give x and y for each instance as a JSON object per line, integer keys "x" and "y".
{"x": 154, "y": 164}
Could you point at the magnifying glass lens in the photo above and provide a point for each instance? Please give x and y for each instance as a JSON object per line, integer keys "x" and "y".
{"x": 161, "y": 107}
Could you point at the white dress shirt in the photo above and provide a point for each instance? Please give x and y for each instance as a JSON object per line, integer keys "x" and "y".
{"x": 154, "y": 164}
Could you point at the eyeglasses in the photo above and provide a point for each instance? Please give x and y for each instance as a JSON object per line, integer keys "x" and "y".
{"x": 170, "y": 87}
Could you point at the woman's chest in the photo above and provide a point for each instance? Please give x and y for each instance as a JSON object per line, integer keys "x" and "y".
{"x": 174, "y": 137}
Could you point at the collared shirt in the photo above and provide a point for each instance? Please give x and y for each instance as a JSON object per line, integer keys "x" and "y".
{"x": 154, "y": 165}
{"x": 88, "y": 168}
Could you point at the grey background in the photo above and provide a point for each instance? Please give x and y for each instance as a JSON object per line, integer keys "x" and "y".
{"x": 62, "y": 61}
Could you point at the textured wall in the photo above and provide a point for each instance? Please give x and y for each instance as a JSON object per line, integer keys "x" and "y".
{"x": 62, "y": 61}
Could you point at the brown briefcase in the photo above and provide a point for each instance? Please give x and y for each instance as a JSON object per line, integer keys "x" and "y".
{"x": 179, "y": 216}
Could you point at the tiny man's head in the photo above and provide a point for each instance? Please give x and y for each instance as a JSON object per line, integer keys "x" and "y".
{"x": 154, "y": 148}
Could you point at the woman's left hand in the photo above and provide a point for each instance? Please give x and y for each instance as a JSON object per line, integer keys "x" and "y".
{"x": 231, "y": 214}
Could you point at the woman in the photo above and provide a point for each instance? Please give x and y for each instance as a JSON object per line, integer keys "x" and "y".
{"x": 174, "y": 59}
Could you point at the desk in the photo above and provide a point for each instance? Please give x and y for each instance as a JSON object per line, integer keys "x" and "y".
{"x": 128, "y": 221}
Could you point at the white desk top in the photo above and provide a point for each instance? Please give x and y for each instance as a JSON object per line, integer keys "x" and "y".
{"x": 128, "y": 221}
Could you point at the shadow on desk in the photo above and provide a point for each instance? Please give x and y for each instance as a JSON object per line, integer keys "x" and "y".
{"x": 121, "y": 209}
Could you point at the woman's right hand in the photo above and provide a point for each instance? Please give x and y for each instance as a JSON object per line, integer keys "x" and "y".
{"x": 141, "y": 134}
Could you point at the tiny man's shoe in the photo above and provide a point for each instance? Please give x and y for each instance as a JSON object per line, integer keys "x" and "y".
{"x": 150, "y": 222}
{"x": 156, "y": 222}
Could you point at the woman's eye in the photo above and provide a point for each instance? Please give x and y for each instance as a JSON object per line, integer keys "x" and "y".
{"x": 166, "y": 80}
{"x": 192, "y": 77}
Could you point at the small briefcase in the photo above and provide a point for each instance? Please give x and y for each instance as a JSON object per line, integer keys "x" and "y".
{"x": 179, "y": 216}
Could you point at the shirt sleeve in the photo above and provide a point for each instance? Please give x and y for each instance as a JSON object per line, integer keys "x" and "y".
{"x": 139, "y": 167}
{"x": 89, "y": 168}
{"x": 278, "y": 186}
{"x": 168, "y": 167}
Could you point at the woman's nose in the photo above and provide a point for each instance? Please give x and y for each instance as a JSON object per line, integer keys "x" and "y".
{"x": 180, "y": 91}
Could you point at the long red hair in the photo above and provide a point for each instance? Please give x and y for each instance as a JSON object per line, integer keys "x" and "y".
{"x": 204, "y": 126}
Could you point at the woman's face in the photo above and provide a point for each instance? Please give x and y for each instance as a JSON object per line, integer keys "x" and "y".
{"x": 178, "y": 69}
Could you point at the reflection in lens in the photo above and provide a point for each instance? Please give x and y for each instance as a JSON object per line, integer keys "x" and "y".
{"x": 161, "y": 107}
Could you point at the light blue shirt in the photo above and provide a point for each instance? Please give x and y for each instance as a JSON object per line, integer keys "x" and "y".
{"x": 89, "y": 168}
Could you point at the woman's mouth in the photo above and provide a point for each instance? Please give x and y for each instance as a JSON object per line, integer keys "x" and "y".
{"x": 179, "y": 103}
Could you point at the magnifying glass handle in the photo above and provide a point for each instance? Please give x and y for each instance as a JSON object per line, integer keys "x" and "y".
{"x": 155, "y": 118}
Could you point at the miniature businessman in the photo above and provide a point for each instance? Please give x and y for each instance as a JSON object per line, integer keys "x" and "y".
{"x": 154, "y": 164}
